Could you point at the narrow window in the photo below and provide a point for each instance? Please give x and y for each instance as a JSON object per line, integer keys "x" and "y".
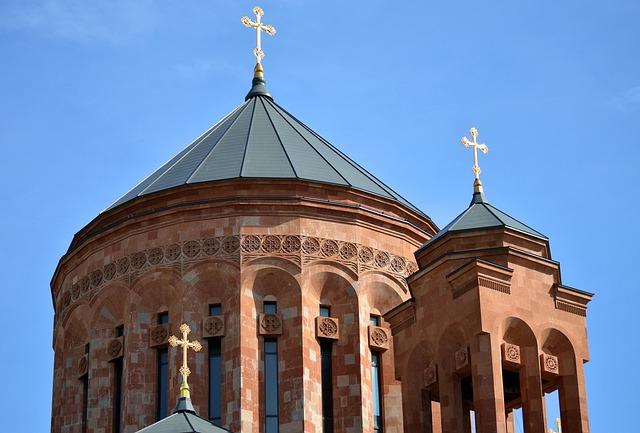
{"x": 326, "y": 347}
{"x": 376, "y": 383}
{"x": 85, "y": 394}
{"x": 117, "y": 387}
{"x": 163, "y": 374}
{"x": 271, "y": 377}
{"x": 215, "y": 372}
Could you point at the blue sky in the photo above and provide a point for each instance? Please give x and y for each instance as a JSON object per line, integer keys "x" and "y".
{"x": 95, "y": 95}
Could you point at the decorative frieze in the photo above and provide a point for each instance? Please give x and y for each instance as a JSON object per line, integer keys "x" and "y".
{"x": 301, "y": 250}
{"x": 115, "y": 348}
{"x": 213, "y": 326}
{"x": 269, "y": 324}
{"x": 511, "y": 355}
{"x": 462, "y": 361}
{"x": 378, "y": 337}
{"x": 327, "y": 327}
{"x": 549, "y": 365}
{"x": 82, "y": 368}
{"x": 159, "y": 335}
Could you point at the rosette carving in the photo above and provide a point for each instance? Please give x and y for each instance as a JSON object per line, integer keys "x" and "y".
{"x": 549, "y": 365}
{"x": 430, "y": 375}
{"x": 115, "y": 348}
{"x": 213, "y": 326}
{"x": 461, "y": 359}
{"x": 327, "y": 327}
{"x": 82, "y": 368}
{"x": 269, "y": 324}
{"x": 511, "y": 354}
{"x": 158, "y": 335}
{"x": 378, "y": 337}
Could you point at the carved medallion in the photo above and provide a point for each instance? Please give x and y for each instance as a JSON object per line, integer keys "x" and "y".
{"x": 329, "y": 248}
{"x": 511, "y": 354}
{"x": 75, "y": 291}
{"x": 96, "y": 277}
{"x": 397, "y": 265}
{"x": 213, "y": 326}
{"x": 382, "y": 259}
{"x": 115, "y": 348}
{"x": 271, "y": 243}
{"x": 365, "y": 255}
{"x": 378, "y": 337}
{"x": 210, "y": 246}
{"x": 269, "y": 324}
{"x": 123, "y": 265}
{"x": 250, "y": 243}
{"x": 348, "y": 251}
{"x": 461, "y": 359}
{"x": 191, "y": 248}
{"x": 172, "y": 252}
{"x": 291, "y": 244}
{"x": 109, "y": 271}
{"x": 230, "y": 244}
{"x": 430, "y": 375}
{"x": 311, "y": 246}
{"x": 549, "y": 365}
{"x": 83, "y": 365}
{"x": 159, "y": 335}
{"x": 327, "y": 327}
{"x": 85, "y": 283}
{"x": 138, "y": 259}
{"x": 155, "y": 255}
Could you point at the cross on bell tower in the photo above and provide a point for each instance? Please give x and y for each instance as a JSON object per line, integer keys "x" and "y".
{"x": 473, "y": 143}
{"x": 260, "y": 27}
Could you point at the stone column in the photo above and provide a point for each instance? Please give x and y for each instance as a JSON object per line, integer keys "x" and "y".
{"x": 533, "y": 404}
{"x": 488, "y": 396}
{"x": 511, "y": 422}
{"x": 451, "y": 410}
{"x": 573, "y": 397}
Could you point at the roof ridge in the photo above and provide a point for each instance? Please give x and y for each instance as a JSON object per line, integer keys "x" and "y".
{"x": 515, "y": 219}
{"x": 278, "y": 108}
{"x": 246, "y": 143}
{"x": 390, "y": 191}
{"x": 202, "y": 137}
{"x": 246, "y": 104}
{"x": 275, "y": 130}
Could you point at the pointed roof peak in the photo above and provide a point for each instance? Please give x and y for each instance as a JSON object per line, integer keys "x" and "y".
{"x": 258, "y": 84}
{"x": 478, "y": 193}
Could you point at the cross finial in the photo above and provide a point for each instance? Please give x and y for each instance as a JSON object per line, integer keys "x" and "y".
{"x": 260, "y": 27}
{"x": 185, "y": 344}
{"x": 477, "y": 184}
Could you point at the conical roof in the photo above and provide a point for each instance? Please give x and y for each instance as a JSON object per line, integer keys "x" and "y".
{"x": 184, "y": 419}
{"x": 260, "y": 139}
{"x": 482, "y": 215}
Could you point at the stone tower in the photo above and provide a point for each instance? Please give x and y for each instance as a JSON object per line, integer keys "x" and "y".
{"x": 277, "y": 249}
{"x": 490, "y": 328}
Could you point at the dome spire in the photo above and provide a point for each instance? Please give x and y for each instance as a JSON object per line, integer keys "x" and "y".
{"x": 184, "y": 400}
{"x": 478, "y": 191}
{"x": 258, "y": 87}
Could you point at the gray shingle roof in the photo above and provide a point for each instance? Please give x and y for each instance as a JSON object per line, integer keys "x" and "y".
{"x": 482, "y": 215}
{"x": 260, "y": 139}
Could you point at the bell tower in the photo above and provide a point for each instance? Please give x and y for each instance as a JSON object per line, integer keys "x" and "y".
{"x": 490, "y": 328}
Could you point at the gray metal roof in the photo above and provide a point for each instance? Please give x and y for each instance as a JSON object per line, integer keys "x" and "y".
{"x": 260, "y": 139}
{"x": 482, "y": 215}
{"x": 183, "y": 420}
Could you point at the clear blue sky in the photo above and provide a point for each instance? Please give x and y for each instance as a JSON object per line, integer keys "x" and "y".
{"x": 96, "y": 94}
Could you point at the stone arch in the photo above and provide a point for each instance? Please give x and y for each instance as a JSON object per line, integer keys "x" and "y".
{"x": 109, "y": 308}
{"x": 380, "y": 292}
{"x": 156, "y": 290}
{"x": 527, "y": 378}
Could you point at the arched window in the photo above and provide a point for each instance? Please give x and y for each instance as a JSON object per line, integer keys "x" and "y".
{"x": 271, "y": 376}
{"x": 376, "y": 383}
{"x": 117, "y": 386}
{"x": 326, "y": 347}
{"x": 215, "y": 372}
{"x": 162, "y": 396}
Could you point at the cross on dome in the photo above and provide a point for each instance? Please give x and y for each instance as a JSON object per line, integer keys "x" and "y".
{"x": 186, "y": 345}
{"x": 260, "y": 27}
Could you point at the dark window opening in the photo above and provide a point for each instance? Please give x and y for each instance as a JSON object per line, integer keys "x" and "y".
{"x": 215, "y": 381}
{"x": 271, "y": 384}
{"x": 325, "y": 311}
{"x": 376, "y": 390}
{"x": 215, "y": 309}
{"x": 163, "y": 383}
{"x": 270, "y": 307}
{"x": 374, "y": 320}
{"x": 163, "y": 317}
{"x": 326, "y": 347}
{"x": 85, "y": 394}
{"x": 119, "y": 331}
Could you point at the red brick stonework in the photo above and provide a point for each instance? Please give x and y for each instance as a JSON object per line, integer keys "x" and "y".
{"x": 236, "y": 243}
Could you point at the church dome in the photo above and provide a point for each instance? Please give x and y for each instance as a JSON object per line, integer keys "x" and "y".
{"x": 261, "y": 140}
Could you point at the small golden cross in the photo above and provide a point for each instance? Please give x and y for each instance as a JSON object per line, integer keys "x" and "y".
{"x": 476, "y": 146}
{"x": 185, "y": 344}
{"x": 257, "y": 24}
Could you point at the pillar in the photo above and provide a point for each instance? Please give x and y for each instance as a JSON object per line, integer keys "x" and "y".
{"x": 533, "y": 404}
{"x": 573, "y": 397}
{"x": 488, "y": 398}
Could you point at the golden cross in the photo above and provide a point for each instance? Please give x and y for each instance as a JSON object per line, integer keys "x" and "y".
{"x": 257, "y": 24}
{"x": 185, "y": 344}
{"x": 476, "y": 146}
